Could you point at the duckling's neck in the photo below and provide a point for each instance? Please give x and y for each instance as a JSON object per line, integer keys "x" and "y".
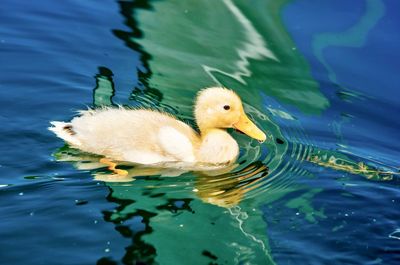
{"x": 217, "y": 146}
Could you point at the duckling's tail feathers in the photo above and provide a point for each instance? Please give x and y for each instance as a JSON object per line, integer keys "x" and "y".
{"x": 65, "y": 131}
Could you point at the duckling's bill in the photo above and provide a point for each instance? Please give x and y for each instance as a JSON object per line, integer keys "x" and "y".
{"x": 246, "y": 126}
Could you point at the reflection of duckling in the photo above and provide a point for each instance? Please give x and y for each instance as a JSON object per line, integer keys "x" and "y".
{"x": 220, "y": 187}
{"x": 228, "y": 189}
{"x": 94, "y": 163}
{"x": 151, "y": 137}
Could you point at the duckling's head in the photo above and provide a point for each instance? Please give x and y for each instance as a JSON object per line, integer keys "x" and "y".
{"x": 218, "y": 108}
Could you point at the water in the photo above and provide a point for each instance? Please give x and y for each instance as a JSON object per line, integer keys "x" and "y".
{"x": 319, "y": 77}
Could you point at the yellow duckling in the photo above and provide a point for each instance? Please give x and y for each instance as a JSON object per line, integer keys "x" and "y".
{"x": 150, "y": 137}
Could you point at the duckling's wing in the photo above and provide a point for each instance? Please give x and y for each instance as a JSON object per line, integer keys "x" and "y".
{"x": 176, "y": 144}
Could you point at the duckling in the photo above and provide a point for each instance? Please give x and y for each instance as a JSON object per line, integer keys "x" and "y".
{"x": 150, "y": 137}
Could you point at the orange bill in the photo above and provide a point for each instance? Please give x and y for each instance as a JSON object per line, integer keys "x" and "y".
{"x": 246, "y": 126}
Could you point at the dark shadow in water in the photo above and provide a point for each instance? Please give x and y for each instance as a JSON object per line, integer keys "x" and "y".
{"x": 127, "y": 9}
{"x": 138, "y": 252}
{"x": 143, "y": 94}
{"x": 104, "y": 90}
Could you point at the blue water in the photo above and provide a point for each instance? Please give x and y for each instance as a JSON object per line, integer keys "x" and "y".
{"x": 304, "y": 211}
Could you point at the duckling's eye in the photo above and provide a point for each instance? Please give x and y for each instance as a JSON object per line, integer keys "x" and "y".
{"x": 227, "y": 107}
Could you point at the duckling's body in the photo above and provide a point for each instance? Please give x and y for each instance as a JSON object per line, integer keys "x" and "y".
{"x": 145, "y": 137}
{"x": 151, "y": 137}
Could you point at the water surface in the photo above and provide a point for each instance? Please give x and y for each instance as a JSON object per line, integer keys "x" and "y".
{"x": 322, "y": 190}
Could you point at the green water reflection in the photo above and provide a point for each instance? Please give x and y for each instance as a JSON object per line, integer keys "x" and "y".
{"x": 185, "y": 217}
{"x": 196, "y": 44}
